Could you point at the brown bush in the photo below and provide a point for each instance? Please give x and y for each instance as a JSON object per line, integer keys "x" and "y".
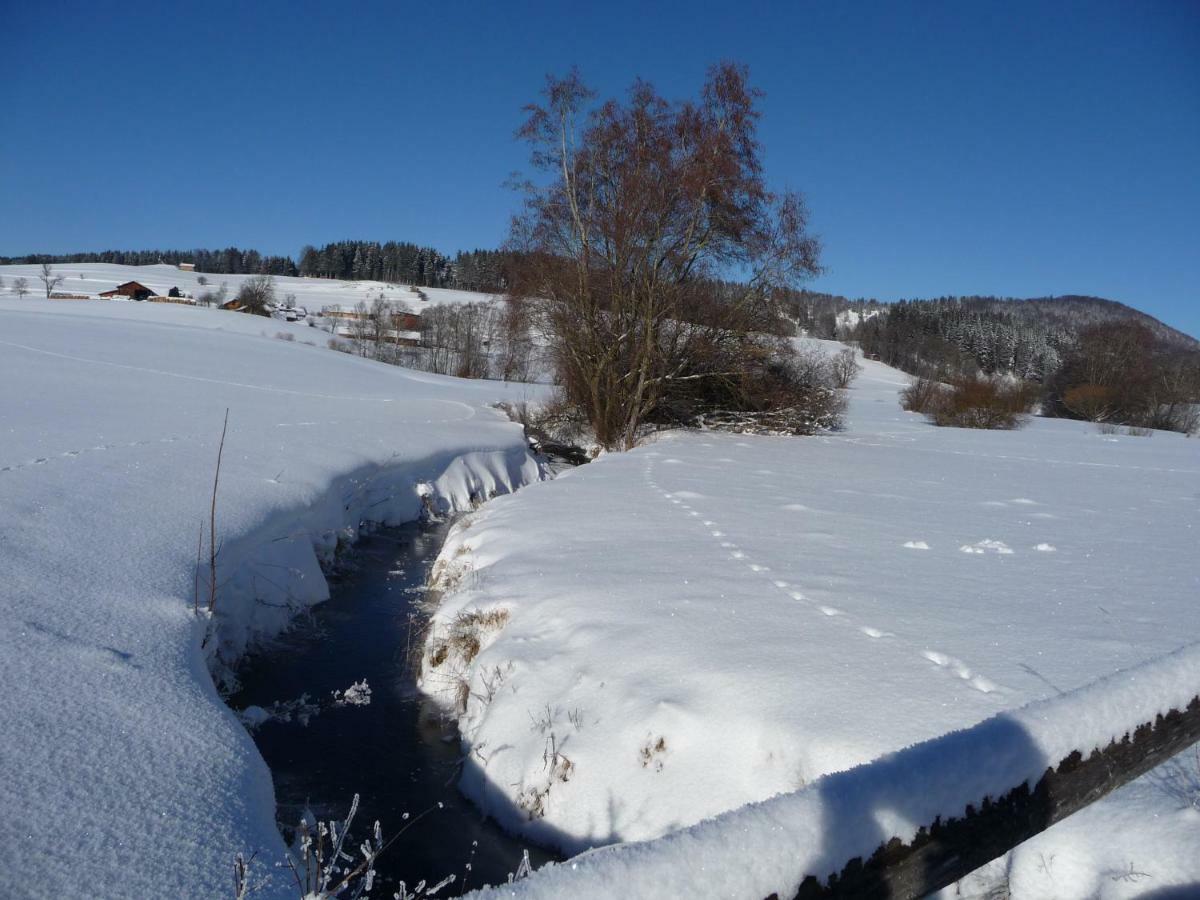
{"x": 982, "y": 403}
{"x": 1093, "y": 402}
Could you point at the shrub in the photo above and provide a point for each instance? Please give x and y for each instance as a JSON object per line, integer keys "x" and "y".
{"x": 1089, "y": 401}
{"x": 845, "y": 367}
{"x": 981, "y": 403}
{"x": 757, "y": 385}
{"x": 921, "y": 394}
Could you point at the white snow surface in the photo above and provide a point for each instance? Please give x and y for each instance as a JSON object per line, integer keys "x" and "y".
{"x": 759, "y": 849}
{"x": 713, "y": 620}
{"x": 124, "y": 774}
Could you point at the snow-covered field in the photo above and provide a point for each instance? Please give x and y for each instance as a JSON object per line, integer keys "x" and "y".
{"x": 311, "y": 293}
{"x": 124, "y": 775}
{"x": 706, "y": 622}
{"x": 712, "y": 620}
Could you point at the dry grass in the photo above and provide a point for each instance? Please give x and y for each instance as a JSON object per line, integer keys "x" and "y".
{"x": 464, "y": 638}
{"x": 652, "y": 753}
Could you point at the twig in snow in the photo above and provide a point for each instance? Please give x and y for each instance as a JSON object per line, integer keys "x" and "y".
{"x": 212, "y": 522}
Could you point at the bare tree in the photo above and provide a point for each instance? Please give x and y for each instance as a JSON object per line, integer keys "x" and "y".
{"x": 649, "y": 206}
{"x": 361, "y": 330}
{"x": 20, "y": 286}
{"x": 257, "y": 294}
{"x": 49, "y": 280}
{"x": 515, "y": 347}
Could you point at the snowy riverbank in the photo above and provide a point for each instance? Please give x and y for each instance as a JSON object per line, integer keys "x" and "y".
{"x": 736, "y": 616}
{"x": 125, "y": 774}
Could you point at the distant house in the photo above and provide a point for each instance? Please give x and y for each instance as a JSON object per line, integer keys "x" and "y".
{"x": 187, "y": 267}
{"x": 134, "y": 290}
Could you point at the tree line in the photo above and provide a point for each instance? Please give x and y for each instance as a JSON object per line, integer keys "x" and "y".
{"x": 230, "y": 261}
{"x": 394, "y": 261}
{"x": 406, "y": 263}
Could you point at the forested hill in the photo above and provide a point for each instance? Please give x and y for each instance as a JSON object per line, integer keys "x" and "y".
{"x": 1074, "y": 311}
{"x": 1026, "y": 338}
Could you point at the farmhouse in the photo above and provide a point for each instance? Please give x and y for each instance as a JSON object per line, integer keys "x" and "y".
{"x": 134, "y": 290}
{"x": 187, "y": 267}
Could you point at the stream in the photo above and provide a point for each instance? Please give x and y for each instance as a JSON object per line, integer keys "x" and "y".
{"x": 399, "y": 760}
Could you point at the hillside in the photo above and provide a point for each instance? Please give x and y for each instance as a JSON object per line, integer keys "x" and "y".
{"x": 830, "y": 315}
{"x": 313, "y": 293}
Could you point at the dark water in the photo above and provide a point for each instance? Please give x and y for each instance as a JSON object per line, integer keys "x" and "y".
{"x": 397, "y": 758}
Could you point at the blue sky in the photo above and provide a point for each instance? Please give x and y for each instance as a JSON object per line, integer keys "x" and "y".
{"x": 1012, "y": 148}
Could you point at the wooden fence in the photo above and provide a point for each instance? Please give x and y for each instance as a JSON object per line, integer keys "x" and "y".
{"x": 945, "y": 851}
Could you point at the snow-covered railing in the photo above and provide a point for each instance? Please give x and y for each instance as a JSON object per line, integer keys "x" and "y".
{"x": 916, "y": 820}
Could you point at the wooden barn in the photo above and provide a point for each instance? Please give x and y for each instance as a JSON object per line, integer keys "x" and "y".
{"x": 134, "y": 290}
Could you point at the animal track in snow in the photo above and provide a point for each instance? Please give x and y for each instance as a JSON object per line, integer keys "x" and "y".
{"x": 987, "y": 546}
{"x": 72, "y": 454}
{"x": 945, "y": 661}
{"x": 831, "y": 612}
{"x": 1046, "y": 548}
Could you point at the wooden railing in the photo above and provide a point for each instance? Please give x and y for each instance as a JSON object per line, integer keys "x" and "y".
{"x": 945, "y": 851}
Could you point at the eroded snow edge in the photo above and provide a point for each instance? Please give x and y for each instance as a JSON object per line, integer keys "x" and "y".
{"x": 269, "y": 576}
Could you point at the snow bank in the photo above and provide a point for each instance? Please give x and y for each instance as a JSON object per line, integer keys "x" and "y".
{"x": 767, "y": 847}
{"x": 713, "y": 620}
{"x": 124, "y": 773}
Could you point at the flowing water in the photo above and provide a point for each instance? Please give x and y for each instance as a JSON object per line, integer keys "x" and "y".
{"x": 399, "y": 760}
